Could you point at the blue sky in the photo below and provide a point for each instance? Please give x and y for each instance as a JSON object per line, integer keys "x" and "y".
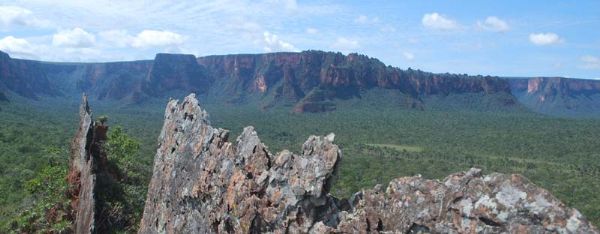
{"x": 505, "y": 38}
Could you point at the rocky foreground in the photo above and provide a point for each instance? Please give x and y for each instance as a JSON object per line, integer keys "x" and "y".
{"x": 203, "y": 183}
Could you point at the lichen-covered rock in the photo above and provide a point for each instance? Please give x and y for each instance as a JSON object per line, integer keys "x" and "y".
{"x": 466, "y": 202}
{"x": 202, "y": 183}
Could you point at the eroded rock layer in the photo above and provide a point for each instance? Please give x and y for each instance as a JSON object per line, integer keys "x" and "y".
{"x": 203, "y": 183}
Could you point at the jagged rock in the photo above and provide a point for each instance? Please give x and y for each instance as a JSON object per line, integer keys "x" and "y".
{"x": 466, "y": 202}
{"x": 81, "y": 178}
{"x": 87, "y": 158}
{"x": 202, "y": 183}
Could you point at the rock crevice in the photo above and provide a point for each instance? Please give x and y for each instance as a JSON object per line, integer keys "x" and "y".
{"x": 202, "y": 183}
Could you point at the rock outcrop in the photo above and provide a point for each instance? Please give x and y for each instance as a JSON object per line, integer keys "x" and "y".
{"x": 87, "y": 159}
{"x": 203, "y": 183}
{"x": 466, "y": 202}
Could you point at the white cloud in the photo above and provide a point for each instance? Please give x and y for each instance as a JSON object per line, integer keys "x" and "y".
{"x": 216, "y": 27}
{"x": 345, "y": 44}
{"x": 363, "y": 19}
{"x": 74, "y": 38}
{"x": 590, "y": 62}
{"x": 17, "y": 46}
{"x": 494, "y": 24}
{"x": 542, "y": 39}
{"x": 312, "y": 31}
{"x": 144, "y": 39}
{"x": 14, "y": 15}
{"x": 150, "y": 38}
{"x": 408, "y": 56}
{"x": 437, "y": 21}
{"x": 274, "y": 44}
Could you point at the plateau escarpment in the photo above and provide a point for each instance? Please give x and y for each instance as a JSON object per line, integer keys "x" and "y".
{"x": 309, "y": 81}
{"x": 556, "y": 95}
{"x": 313, "y": 80}
{"x": 203, "y": 183}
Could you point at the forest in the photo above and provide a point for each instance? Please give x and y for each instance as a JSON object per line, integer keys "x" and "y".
{"x": 380, "y": 140}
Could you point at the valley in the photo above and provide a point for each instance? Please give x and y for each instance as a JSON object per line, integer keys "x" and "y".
{"x": 389, "y": 122}
{"x": 379, "y": 142}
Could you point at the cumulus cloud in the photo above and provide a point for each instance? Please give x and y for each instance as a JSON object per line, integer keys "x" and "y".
{"x": 14, "y": 15}
{"x": 149, "y": 38}
{"x": 16, "y": 46}
{"x": 144, "y": 39}
{"x": 542, "y": 39}
{"x": 590, "y": 62}
{"x": 494, "y": 24}
{"x": 437, "y": 21}
{"x": 274, "y": 44}
{"x": 74, "y": 38}
{"x": 345, "y": 44}
{"x": 408, "y": 56}
{"x": 363, "y": 19}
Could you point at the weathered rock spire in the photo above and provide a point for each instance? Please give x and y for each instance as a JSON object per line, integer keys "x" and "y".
{"x": 81, "y": 178}
{"x": 87, "y": 160}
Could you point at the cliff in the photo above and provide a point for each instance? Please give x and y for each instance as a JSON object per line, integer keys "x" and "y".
{"x": 308, "y": 81}
{"x": 203, "y": 183}
{"x": 313, "y": 80}
{"x": 557, "y": 95}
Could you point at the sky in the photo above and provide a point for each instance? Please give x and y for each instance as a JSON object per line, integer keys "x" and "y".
{"x": 503, "y": 38}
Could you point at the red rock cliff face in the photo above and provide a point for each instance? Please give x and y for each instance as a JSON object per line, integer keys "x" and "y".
{"x": 203, "y": 183}
{"x": 309, "y": 81}
{"x": 556, "y": 95}
{"x": 294, "y": 76}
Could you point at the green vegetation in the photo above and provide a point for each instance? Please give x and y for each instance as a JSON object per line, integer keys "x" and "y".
{"x": 124, "y": 199}
{"x": 401, "y": 148}
{"x": 380, "y": 140}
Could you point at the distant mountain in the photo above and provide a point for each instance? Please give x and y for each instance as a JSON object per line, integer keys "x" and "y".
{"x": 309, "y": 81}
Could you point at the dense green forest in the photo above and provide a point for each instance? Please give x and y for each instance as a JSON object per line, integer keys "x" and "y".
{"x": 380, "y": 140}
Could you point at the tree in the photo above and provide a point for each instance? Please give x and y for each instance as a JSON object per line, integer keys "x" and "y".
{"x": 122, "y": 149}
{"x": 102, "y": 119}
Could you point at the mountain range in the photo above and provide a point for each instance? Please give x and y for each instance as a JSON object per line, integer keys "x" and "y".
{"x": 308, "y": 81}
